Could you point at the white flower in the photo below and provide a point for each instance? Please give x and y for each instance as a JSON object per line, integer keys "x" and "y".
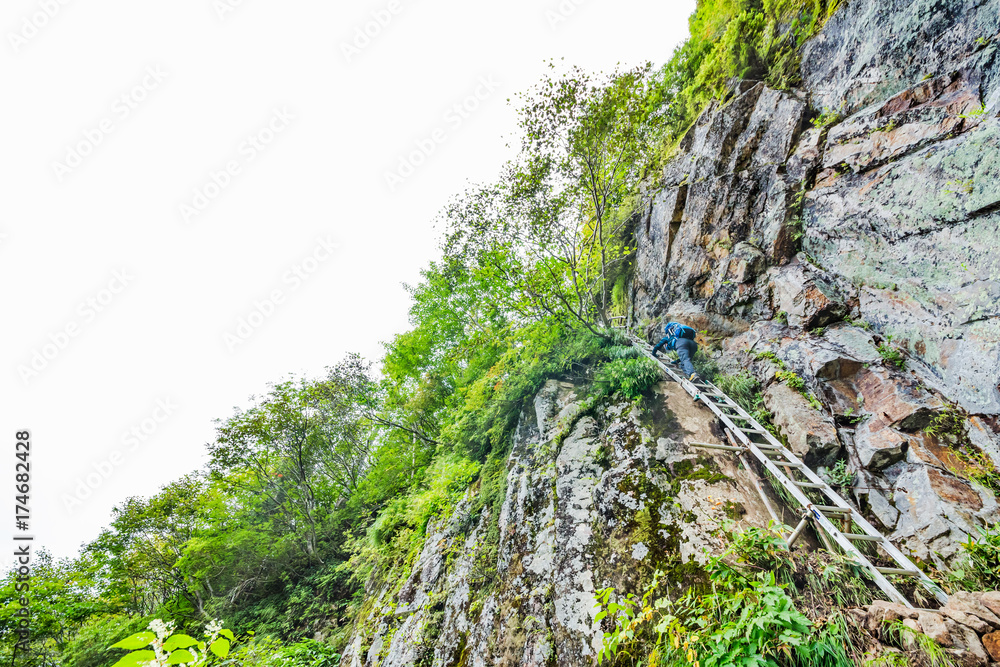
{"x": 213, "y": 627}
{"x": 160, "y": 629}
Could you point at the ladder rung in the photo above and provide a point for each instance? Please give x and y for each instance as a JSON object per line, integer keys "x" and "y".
{"x": 788, "y": 464}
{"x": 753, "y": 430}
{"x": 810, "y": 485}
{"x": 767, "y": 448}
{"x": 832, "y": 509}
{"x": 862, "y": 538}
{"x": 709, "y": 445}
{"x": 896, "y": 570}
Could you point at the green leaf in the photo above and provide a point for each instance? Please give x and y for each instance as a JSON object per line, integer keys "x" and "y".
{"x": 135, "y": 658}
{"x": 220, "y": 647}
{"x": 179, "y": 641}
{"x": 180, "y": 656}
{"x": 137, "y": 640}
{"x": 228, "y": 634}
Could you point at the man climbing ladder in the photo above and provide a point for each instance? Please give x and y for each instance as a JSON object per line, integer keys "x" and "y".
{"x": 680, "y": 339}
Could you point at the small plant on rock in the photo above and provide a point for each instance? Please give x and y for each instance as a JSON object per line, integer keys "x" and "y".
{"x": 861, "y": 324}
{"x": 918, "y": 643}
{"x": 792, "y": 379}
{"x": 839, "y": 475}
{"x": 891, "y": 356}
{"x": 825, "y": 119}
{"x": 851, "y": 418}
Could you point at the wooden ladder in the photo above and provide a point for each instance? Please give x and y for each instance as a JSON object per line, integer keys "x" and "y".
{"x": 748, "y": 435}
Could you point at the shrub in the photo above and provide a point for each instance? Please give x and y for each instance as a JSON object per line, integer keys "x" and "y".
{"x": 747, "y": 617}
{"x": 447, "y": 479}
{"x": 88, "y": 648}
{"x": 616, "y": 352}
{"x": 984, "y": 556}
{"x": 166, "y": 648}
{"x": 742, "y": 388}
{"x": 627, "y": 377}
{"x": 745, "y": 390}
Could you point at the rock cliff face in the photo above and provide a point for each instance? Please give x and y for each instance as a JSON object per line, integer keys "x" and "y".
{"x": 594, "y": 500}
{"x": 869, "y": 197}
{"x": 811, "y": 233}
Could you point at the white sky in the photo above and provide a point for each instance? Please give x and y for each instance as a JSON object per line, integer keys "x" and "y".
{"x": 222, "y": 76}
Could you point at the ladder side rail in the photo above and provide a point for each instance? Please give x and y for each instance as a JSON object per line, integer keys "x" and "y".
{"x": 901, "y": 559}
{"x": 837, "y": 499}
{"x": 826, "y": 524}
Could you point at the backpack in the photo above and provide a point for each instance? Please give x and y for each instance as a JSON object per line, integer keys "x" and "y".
{"x": 677, "y": 330}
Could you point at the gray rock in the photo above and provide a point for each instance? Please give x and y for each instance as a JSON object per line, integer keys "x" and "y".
{"x": 746, "y": 262}
{"x": 805, "y": 297}
{"x": 811, "y": 435}
{"x": 933, "y": 626}
{"x": 972, "y": 605}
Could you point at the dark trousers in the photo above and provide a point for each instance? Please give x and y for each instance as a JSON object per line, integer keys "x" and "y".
{"x": 686, "y": 349}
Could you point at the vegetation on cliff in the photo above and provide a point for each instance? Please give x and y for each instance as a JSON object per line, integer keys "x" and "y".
{"x": 325, "y": 486}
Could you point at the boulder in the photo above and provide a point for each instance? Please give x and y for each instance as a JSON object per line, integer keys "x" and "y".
{"x": 968, "y": 620}
{"x": 991, "y": 600}
{"x": 870, "y": 50}
{"x": 923, "y": 114}
{"x": 879, "y": 446}
{"x": 806, "y": 297}
{"x": 938, "y": 511}
{"x": 803, "y": 163}
{"x": 882, "y": 508}
{"x": 896, "y": 400}
{"x": 968, "y": 649}
{"x": 916, "y": 239}
{"x": 746, "y": 262}
{"x": 971, "y": 604}
{"x": 811, "y": 435}
{"x": 991, "y": 642}
{"x": 933, "y": 625}
{"x": 881, "y": 612}
{"x": 984, "y": 433}
{"x": 854, "y": 341}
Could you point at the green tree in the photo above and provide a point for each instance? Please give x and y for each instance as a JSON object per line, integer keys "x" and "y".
{"x": 554, "y": 230}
